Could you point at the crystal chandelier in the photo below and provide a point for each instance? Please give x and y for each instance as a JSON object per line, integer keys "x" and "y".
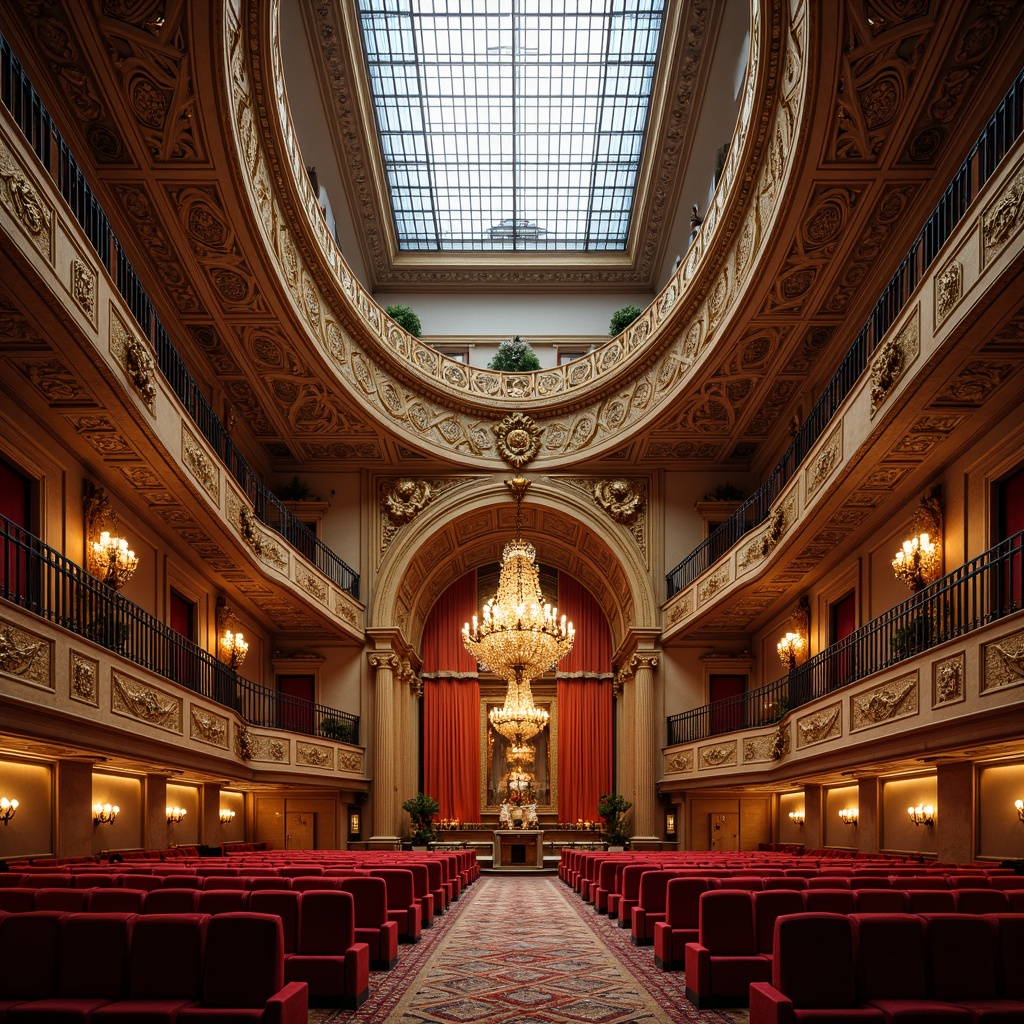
{"x": 520, "y": 636}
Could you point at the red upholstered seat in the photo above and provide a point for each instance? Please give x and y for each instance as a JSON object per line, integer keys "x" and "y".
{"x": 605, "y": 883}
{"x": 300, "y": 870}
{"x": 870, "y": 882}
{"x": 813, "y": 979}
{"x": 285, "y": 904}
{"x": 830, "y": 882}
{"x": 892, "y": 969}
{"x": 920, "y": 882}
{"x": 10, "y": 879}
{"x": 830, "y": 901}
{"x": 1010, "y": 928}
{"x": 329, "y": 960}
{"x": 46, "y": 880}
{"x": 724, "y": 960}
{"x": 143, "y": 881}
{"x": 402, "y": 906}
{"x": 307, "y": 883}
{"x": 682, "y": 917}
{"x": 223, "y": 882}
{"x": 28, "y": 952}
{"x": 222, "y": 901}
{"x": 93, "y": 880}
{"x": 981, "y": 901}
{"x": 770, "y": 905}
{"x": 115, "y": 901}
{"x": 881, "y": 901}
{"x": 71, "y": 901}
{"x": 17, "y": 900}
{"x": 181, "y": 881}
{"x": 650, "y": 907}
{"x": 930, "y": 901}
{"x": 370, "y": 897}
{"x": 786, "y": 882}
{"x": 629, "y": 891}
{"x": 268, "y": 882}
{"x": 170, "y": 901}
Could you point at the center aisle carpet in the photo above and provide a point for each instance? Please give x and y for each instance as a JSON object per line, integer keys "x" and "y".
{"x": 524, "y": 950}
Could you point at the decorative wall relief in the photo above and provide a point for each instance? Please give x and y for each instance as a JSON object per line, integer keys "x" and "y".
{"x": 83, "y": 682}
{"x": 719, "y": 755}
{"x": 711, "y": 586}
{"x": 267, "y": 748}
{"x": 83, "y": 287}
{"x": 19, "y": 196}
{"x": 312, "y": 584}
{"x": 948, "y": 680}
{"x": 829, "y": 456}
{"x": 1002, "y": 662}
{"x": 313, "y": 755}
{"x": 1003, "y": 217}
{"x": 243, "y": 742}
{"x": 346, "y": 608}
{"x": 898, "y": 699}
{"x": 208, "y": 727}
{"x": 405, "y": 499}
{"x": 26, "y": 656}
{"x": 893, "y": 358}
{"x": 135, "y": 699}
{"x": 199, "y": 464}
{"x": 759, "y": 749}
{"x": 518, "y": 439}
{"x": 826, "y": 724}
{"x": 680, "y": 608}
{"x": 681, "y": 762}
{"x": 132, "y": 355}
{"x": 350, "y": 762}
{"x": 258, "y": 540}
{"x": 949, "y": 286}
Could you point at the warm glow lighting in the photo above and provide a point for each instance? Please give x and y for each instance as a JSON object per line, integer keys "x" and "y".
{"x": 226, "y": 817}
{"x": 797, "y": 817}
{"x": 1018, "y": 804}
{"x": 233, "y": 648}
{"x": 917, "y": 562}
{"x": 104, "y": 814}
{"x": 112, "y": 560}
{"x": 175, "y": 814}
{"x": 922, "y": 814}
{"x": 7, "y": 809}
{"x": 789, "y": 648}
{"x": 520, "y": 636}
{"x": 848, "y": 815}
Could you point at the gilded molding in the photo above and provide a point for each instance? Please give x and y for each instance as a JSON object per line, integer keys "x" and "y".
{"x": 267, "y": 748}
{"x": 346, "y": 608}
{"x": 26, "y": 656}
{"x": 645, "y": 660}
{"x": 208, "y": 727}
{"x": 148, "y": 704}
{"x": 257, "y": 539}
{"x": 405, "y": 499}
{"x": 83, "y": 287}
{"x": 948, "y": 678}
{"x": 681, "y": 762}
{"x": 780, "y": 520}
{"x": 623, "y": 500}
{"x": 243, "y": 742}
{"x": 759, "y": 749}
{"x": 826, "y": 724}
{"x": 713, "y": 584}
{"x": 83, "y": 683}
{"x": 680, "y": 608}
{"x": 314, "y": 756}
{"x": 132, "y": 355}
{"x": 198, "y": 463}
{"x": 381, "y": 660}
{"x": 718, "y": 755}
{"x": 311, "y": 584}
{"x": 949, "y": 287}
{"x": 19, "y": 196}
{"x": 1003, "y": 662}
{"x": 886, "y": 703}
{"x": 829, "y": 456}
{"x": 350, "y": 762}
{"x": 1004, "y": 216}
{"x": 518, "y": 439}
{"x": 893, "y": 358}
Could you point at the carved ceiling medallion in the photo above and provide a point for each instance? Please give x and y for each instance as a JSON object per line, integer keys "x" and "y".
{"x": 518, "y": 439}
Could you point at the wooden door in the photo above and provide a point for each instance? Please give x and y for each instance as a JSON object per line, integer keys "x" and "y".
{"x": 1010, "y": 594}
{"x": 15, "y": 506}
{"x": 183, "y": 622}
{"x": 295, "y": 706}
{"x": 300, "y": 830}
{"x": 726, "y": 700}
{"x": 724, "y": 831}
{"x": 843, "y": 621}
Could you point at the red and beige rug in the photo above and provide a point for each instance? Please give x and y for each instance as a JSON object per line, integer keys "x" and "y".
{"x": 524, "y": 950}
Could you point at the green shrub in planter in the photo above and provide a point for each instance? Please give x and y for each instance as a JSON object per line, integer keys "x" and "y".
{"x": 422, "y": 809}
{"x": 405, "y": 317}
{"x": 611, "y": 807}
{"x": 622, "y": 318}
{"x": 514, "y": 356}
{"x": 339, "y": 729}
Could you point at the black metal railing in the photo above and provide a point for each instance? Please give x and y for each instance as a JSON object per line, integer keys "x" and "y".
{"x": 42, "y": 581}
{"x": 981, "y": 591}
{"x": 21, "y": 100}
{"x": 994, "y": 142}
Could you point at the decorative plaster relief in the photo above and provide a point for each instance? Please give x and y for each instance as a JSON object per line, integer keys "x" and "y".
{"x": 199, "y": 464}
{"x": 1002, "y": 662}
{"x": 681, "y": 607}
{"x": 267, "y": 748}
{"x": 829, "y": 456}
{"x": 1003, "y": 217}
{"x": 949, "y": 287}
{"x": 897, "y": 699}
{"x": 826, "y": 724}
{"x": 893, "y": 358}
{"x": 313, "y": 755}
{"x": 83, "y": 287}
{"x": 681, "y": 762}
{"x": 20, "y": 197}
{"x": 26, "y": 656}
{"x": 720, "y": 755}
{"x": 312, "y": 584}
{"x": 83, "y": 681}
{"x": 346, "y": 608}
{"x": 208, "y": 727}
{"x": 132, "y": 355}
{"x": 135, "y": 699}
{"x": 759, "y": 749}
{"x": 260, "y": 543}
{"x": 350, "y": 762}
{"x": 718, "y": 579}
{"x": 518, "y": 439}
{"x": 948, "y": 680}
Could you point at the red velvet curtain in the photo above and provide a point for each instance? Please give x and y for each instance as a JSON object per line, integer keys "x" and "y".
{"x": 451, "y": 705}
{"x": 585, "y": 713}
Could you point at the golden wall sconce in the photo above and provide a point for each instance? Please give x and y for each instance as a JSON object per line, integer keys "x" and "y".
{"x": 226, "y": 817}
{"x": 7, "y": 809}
{"x": 1019, "y": 807}
{"x": 922, "y": 814}
{"x": 232, "y": 647}
{"x": 108, "y": 556}
{"x": 670, "y": 823}
{"x": 790, "y": 648}
{"x": 797, "y": 817}
{"x": 354, "y": 823}
{"x": 175, "y": 814}
{"x": 105, "y": 814}
{"x": 848, "y": 815}
{"x": 919, "y": 560}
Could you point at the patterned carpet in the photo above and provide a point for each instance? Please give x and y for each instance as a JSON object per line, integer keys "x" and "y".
{"x": 522, "y": 950}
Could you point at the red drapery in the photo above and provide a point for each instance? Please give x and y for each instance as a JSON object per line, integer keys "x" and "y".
{"x": 451, "y": 706}
{"x": 584, "y": 706}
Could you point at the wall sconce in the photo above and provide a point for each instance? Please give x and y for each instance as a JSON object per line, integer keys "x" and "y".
{"x": 919, "y": 561}
{"x": 1018, "y": 804}
{"x": 231, "y": 644}
{"x": 848, "y": 815}
{"x": 670, "y": 823}
{"x": 354, "y": 823}
{"x": 108, "y": 556}
{"x": 7, "y": 809}
{"x": 794, "y": 643}
{"x": 922, "y": 814}
{"x": 789, "y": 648}
{"x": 797, "y": 817}
{"x": 104, "y": 814}
{"x": 175, "y": 814}
{"x": 226, "y": 817}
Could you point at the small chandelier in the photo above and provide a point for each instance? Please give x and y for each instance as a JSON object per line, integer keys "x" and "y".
{"x": 789, "y": 648}
{"x": 520, "y": 636}
{"x": 919, "y": 560}
{"x": 108, "y": 556}
{"x": 232, "y": 645}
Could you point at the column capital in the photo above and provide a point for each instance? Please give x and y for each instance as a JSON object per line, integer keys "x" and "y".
{"x": 383, "y": 659}
{"x": 643, "y": 659}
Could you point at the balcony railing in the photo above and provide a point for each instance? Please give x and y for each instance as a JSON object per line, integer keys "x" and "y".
{"x": 20, "y": 98}
{"x": 983, "y": 590}
{"x": 985, "y": 156}
{"x": 41, "y": 580}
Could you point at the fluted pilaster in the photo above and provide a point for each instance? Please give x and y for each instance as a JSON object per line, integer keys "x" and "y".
{"x": 384, "y": 753}
{"x": 645, "y": 801}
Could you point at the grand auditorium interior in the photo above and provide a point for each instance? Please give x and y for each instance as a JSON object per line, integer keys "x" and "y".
{"x": 737, "y": 557}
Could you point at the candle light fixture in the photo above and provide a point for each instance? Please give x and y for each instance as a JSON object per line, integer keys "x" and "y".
{"x": 1019, "y": 806}
{"x": 175, "y": 814}
{"x": 226, "y": 816}
{"x": 797, "y": 817}
{"x": 919, "y": 560}
{"x": 108, "y": 556}
{"x": 922, "y": 814}
{"x": 848, "y": 815}
{"x": 232, "y": 646}
{"x": 7, "y": 809}
{"x": 104, "y": 814}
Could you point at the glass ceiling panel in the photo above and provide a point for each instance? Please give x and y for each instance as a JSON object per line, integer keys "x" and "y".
{"x": 511, "y": 124}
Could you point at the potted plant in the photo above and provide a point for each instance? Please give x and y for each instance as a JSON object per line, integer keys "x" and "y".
{"x": 611, "y": 808}
{"x": 339, "y": 729}
{"x": 405, "y": 317}
{"x": 422, "y": 809}
{"x": 622, "y": 318}
{"x": 514, "y": 356}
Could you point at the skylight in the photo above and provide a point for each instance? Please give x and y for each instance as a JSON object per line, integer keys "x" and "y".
{"x": 512, "y": 125}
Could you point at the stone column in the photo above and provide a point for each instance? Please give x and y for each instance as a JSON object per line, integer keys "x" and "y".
{"x": 209, "y": 809}
{"x": 867, "y": 815}
{"x": 645, "y": 802}
{"x": 74, "y": 828}
{"x": 954, "y": 813}
{"x": 384, "y": 752}
{"x": 154, "y": 814}
{"x": 814, "y": 826}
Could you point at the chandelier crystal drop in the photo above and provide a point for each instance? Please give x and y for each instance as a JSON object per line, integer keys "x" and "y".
{"x": 519, "y": 636}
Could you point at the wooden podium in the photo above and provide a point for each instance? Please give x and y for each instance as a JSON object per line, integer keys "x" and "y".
{"x": 518, "y": 848}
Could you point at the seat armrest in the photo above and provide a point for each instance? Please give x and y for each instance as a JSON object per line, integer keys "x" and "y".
{"x": 768, "y": 1005}
{"x": 290, "y": 1005}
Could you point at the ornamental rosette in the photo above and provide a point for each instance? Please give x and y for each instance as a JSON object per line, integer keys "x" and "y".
{"x": 518, "y": 439}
